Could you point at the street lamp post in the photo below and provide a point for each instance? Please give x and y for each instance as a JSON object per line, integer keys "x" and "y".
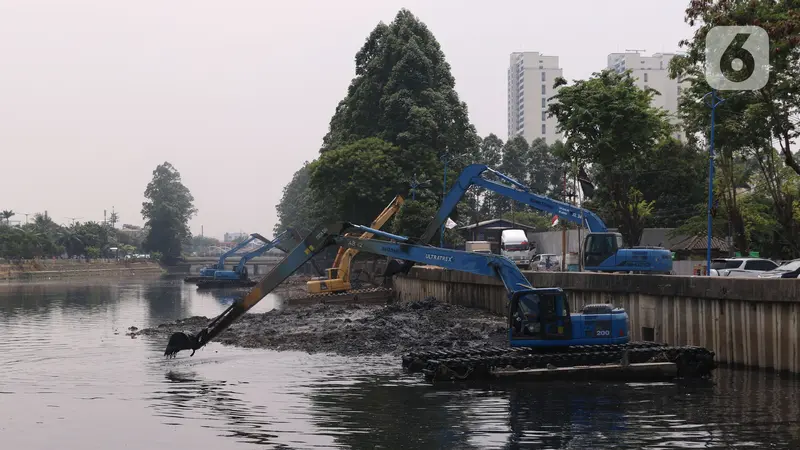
{"x": 444, "y": 193}
{"x": 712, "y": 100}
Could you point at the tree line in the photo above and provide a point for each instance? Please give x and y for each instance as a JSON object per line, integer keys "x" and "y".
{"x": 44, "y": 238}
{"x": 166, "y": 211}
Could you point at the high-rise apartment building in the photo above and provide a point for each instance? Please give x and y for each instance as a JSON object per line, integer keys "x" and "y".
{"x": 530, "y": 86}
{"x": 653, "y": 72}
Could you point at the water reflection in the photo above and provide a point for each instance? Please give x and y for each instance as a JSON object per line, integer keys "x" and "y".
{"x": 166, "y": 301}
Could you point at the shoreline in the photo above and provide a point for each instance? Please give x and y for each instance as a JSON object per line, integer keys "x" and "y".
{"x": 43, "y": 270}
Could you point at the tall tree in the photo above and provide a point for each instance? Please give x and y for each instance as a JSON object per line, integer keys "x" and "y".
{"x": 359, "y": 178}
{"x": 7, "y": 214}
{"x": 777, "y": 102}
{"x": 750, "y": 124}
{"x": 609, "y": 123}
{"x": 403, "y": 93}
{"x": 546, "y": 168}
{"x": 167, "y": 211}
{"x": 516, "y": 164}
{"x": 404, "y": 96}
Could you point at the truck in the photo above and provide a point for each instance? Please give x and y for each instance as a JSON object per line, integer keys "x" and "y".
{"x": 514, "y": 246}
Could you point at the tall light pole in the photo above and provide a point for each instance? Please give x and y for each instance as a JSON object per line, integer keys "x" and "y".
{"x": 444, "y": 193}
{"x": 712, "y": 100}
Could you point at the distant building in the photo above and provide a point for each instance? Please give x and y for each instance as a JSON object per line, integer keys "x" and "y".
{"x": 530, "y": 85}
{"x": 653, "y": 72}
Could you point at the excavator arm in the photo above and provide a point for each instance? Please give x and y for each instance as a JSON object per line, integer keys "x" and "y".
{"x": 280, "y": 241}
{"x": 335, "y": 234}
{"x": 473, "y": 175}
{"x": 349, "y": 253}
{"x": 338, "y": 276}
{"x": 208, "y": 271}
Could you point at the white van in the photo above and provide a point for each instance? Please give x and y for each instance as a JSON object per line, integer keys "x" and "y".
{"x": 514, "y": 246}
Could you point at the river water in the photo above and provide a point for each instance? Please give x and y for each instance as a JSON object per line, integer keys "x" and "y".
{"x": 71, "y": 379}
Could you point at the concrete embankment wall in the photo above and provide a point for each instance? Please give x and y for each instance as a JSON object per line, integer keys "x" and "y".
{"x": 62, "y": 268}
{"x": 748, "y": 322}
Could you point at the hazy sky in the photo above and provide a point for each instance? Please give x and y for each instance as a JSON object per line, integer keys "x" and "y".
{"x": 236, "y": 95}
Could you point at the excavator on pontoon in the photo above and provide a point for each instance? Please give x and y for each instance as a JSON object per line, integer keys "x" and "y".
{"x": 539, "y": 319}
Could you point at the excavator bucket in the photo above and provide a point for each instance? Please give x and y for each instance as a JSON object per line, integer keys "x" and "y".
{"x": 180, "y": 341}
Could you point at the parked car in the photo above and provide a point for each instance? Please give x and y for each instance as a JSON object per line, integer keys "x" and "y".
{"x": 545, "y": 261}
{"x": 741, "y": 267}
{"x": 789, "y": 269}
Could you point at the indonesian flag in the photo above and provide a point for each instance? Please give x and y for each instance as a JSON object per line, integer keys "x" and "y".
{"x": 450, "y": 224}
{"x": 554, "y": 221}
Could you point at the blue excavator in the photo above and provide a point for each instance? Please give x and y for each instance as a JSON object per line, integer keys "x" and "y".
{"x": 540, "y": 323}
{"x": 208, "y": 271}
{"x": 602, "y": 250}
{"x": 238, "y": 276}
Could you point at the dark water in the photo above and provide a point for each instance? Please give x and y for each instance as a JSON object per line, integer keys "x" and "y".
{"x": 71, "y": 379}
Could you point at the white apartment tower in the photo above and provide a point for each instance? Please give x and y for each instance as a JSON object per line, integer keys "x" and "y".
{"x": 653, "y": 72}
{"x": 530, "y": 85}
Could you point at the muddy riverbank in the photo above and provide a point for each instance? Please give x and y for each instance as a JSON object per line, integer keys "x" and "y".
{"x": 355, "y": 329}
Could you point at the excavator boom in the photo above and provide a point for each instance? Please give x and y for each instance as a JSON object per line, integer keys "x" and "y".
{"x": 339, "y": 275}
{"x": 602, "y": 249}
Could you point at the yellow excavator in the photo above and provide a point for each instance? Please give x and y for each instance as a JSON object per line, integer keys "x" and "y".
{"x": 337, "y": 279}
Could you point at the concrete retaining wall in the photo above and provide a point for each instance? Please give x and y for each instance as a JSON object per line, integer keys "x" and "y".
{"x": 59, "y": 269}
{"x": 748, "y": 322}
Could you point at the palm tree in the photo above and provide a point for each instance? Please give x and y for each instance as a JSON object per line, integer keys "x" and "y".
{"x": 7, "y": 214}
{"x": 70, "y": 240}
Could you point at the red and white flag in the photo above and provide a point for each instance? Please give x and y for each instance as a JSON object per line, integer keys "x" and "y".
{"x": 554, "y": 221}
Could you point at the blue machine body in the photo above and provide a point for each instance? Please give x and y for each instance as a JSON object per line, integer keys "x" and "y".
{"x": 220, "y": 265}
{"x": 240, "y": 271}
{"x": 602, "y": 250}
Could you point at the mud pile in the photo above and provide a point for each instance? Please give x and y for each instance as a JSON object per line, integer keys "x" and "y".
{"x": 355, "y": 329}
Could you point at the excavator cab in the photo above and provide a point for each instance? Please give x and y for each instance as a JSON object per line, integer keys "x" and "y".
{"x": 598, "y": 247}
{"x": 537, "y": 316}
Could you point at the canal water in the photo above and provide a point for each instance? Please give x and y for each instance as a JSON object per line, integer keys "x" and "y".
{"x": 71, "y": 379}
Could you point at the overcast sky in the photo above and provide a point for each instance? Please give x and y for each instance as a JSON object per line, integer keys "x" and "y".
{"x": 236, "y": 95}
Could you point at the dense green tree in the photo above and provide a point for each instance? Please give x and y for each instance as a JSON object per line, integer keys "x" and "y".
{"x": 750, "y": 124}
{"x": 413, "y": 218}
{"x": 776, "y": 104}
{"x": 404, "y": 93}
{"x": 359, "y": 178}
{"x": 609, "y": 123}
{"x": 546, "y": 168}
{"x": 401, "y": 116}
{"x": 167, "y": 211}
{"x": 300, "y": 207}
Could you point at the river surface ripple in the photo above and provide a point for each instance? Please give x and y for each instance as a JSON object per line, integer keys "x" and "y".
{"x": 71, "y": 379}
